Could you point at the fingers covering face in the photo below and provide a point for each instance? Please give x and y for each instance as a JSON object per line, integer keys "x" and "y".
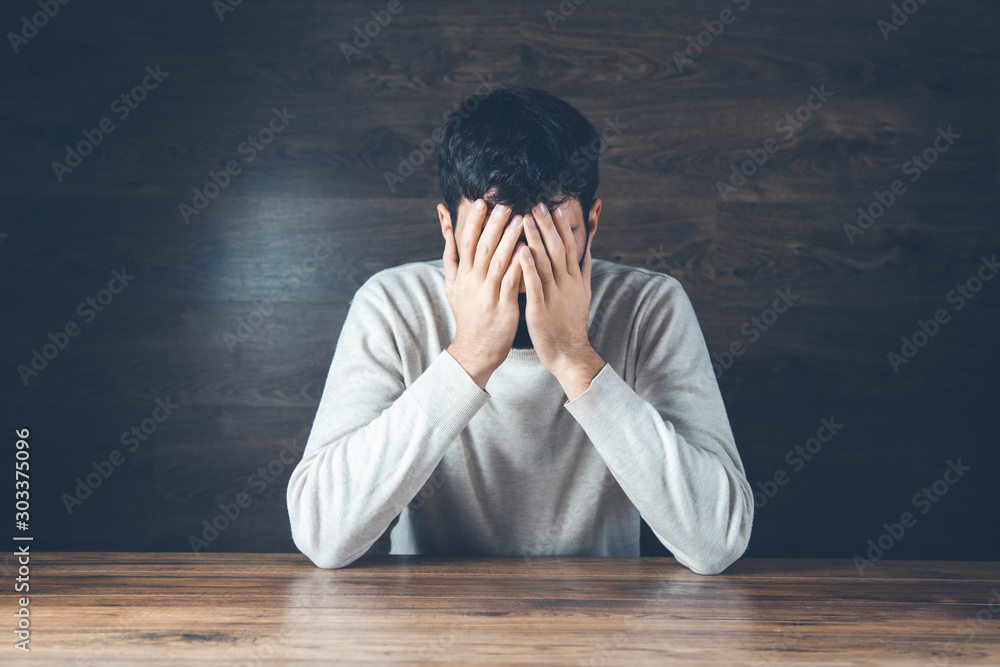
{"x": 555, "y": 233}
{"x": 479, "y": 242}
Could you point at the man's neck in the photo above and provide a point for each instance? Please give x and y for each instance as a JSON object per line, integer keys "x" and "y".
{"x": 522, "y": 341}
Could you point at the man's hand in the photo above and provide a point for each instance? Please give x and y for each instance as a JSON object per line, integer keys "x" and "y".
{"x": 558, "y": 300}
{"x": 482, "y": 289}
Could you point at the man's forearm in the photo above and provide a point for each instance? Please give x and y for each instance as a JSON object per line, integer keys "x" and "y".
{"x": 691, "y": 493}
{"x": 358, "y": 472}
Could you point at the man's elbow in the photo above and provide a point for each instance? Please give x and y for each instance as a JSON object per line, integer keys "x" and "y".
{"x": 329, "y": 561}
{"x": 311, "y": 535}
{"x": 733, "y": 542}
{"x": 716, "y": 560}
{"x": 325, "y": 556}
{"x": 714, "y": 564}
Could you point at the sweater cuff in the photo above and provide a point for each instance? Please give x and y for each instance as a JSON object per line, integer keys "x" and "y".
{"x": 453, "y": 390}
{"x": 600, "y": 406}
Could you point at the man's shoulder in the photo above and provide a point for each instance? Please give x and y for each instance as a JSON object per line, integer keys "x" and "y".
{"x": 411, "y": 272}
{"x": 609, "y": 278}
{"x": 609, "y": 270}
{"x": 407, "y": 281}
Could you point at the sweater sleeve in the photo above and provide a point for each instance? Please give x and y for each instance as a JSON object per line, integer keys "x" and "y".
{"x": 374, "y": 442}
{"x": 668, "y": 442}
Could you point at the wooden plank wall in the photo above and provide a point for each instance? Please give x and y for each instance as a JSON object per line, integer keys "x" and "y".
{"x": 321, "y": 180}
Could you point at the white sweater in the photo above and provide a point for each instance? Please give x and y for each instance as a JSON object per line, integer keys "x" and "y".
{"x": 406, "y": 447}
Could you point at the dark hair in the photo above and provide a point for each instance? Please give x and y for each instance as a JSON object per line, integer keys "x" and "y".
{"x": 524, "y": 143}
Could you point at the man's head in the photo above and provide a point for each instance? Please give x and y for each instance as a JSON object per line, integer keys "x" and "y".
{"x": 523, "y": 146}
{"x": 519, "y": 146}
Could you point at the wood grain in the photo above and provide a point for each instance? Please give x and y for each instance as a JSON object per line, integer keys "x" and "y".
{"x": 126, "y": 608}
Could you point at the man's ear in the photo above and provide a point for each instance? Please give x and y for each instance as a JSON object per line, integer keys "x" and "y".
{"x": 445, "y": 217}
{"x": 595, "y": 214}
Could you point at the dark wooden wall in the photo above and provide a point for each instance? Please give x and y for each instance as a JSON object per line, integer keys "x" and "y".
{"x": 322, "y": 177}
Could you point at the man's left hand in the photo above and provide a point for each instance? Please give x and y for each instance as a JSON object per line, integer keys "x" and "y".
{"x": 558, "y": 300}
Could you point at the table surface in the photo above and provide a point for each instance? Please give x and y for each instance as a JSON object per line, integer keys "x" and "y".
{"x": 263, "y": 609}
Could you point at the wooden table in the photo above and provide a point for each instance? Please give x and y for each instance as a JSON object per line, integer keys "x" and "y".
{"x": 262, "y": 609}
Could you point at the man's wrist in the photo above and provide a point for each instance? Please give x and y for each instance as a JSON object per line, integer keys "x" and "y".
{"x": 472, "y": 364}
{"x": 577, "y": 372}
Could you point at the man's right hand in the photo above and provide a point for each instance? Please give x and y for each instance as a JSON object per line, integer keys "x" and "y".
{"x": 482, "y": 289}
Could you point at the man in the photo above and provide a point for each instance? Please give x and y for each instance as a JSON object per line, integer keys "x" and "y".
{"x": 518, "y": 397}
